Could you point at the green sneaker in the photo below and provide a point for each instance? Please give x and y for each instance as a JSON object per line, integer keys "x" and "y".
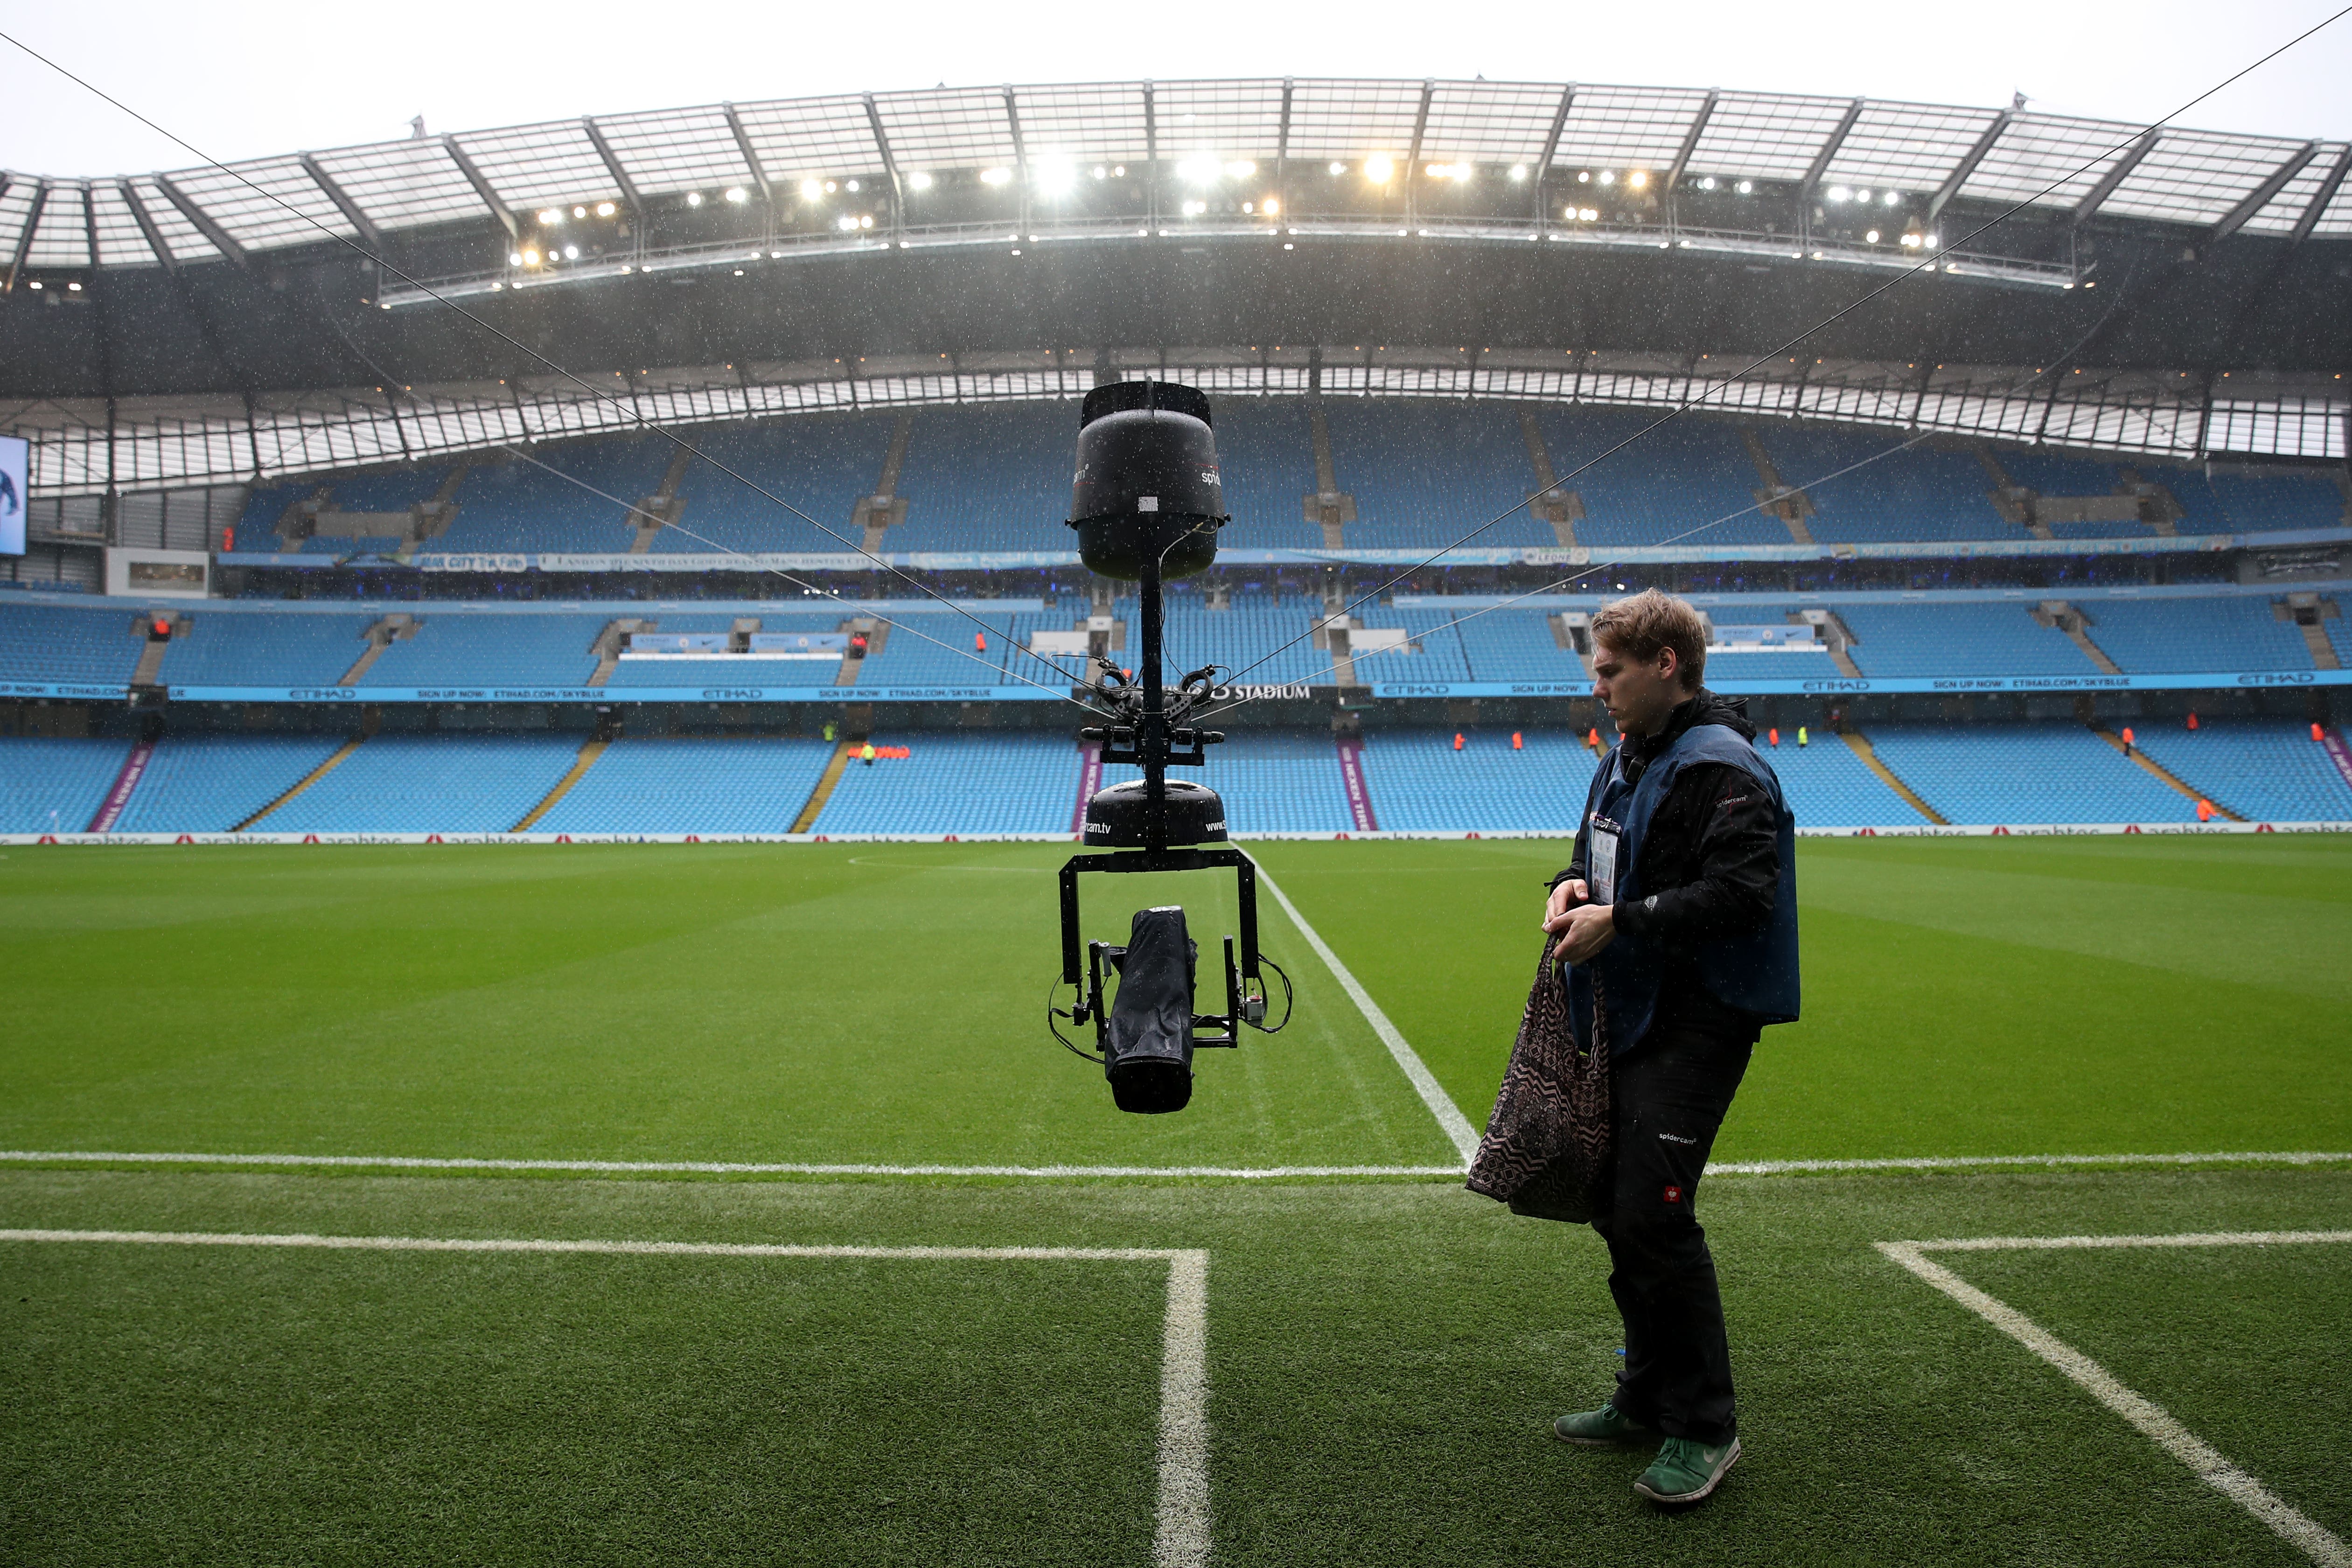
{"x": 1686, "y": 1471}
{"x": 1598, "y": 1428}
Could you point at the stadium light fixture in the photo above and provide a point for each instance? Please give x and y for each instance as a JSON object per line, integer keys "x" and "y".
{"x": 1194, "y": 209}
{"x": 1862, "y": 195}
{"x": 1100, "y": 172}
{"x": 864, "y": 221}
{"x": 1839, "y": 193}
{"x": 1637, "y": 179}
{"x": 1519, "y": 171}
{"x": 604, "y": 209}
{"x": 73, "y": 288}
{"x": 572, "y": 253}
{"x": 1200, "y": 170}
{"x": 1119, "y": 171}
{"x": 1871, "y": 237}
{"x": 514, "y": 258}
{"x": 1608, "y": 177}
{"x": 35, "y": 285}
{"x": 1270, "y": 206}
{"x": 1745, "y": 187}
{"x": 811, "y": 189}
{"x": 852, "y": 185}
{"x": 996, "y": 176}
{"x": 1584, "y": 176}
{"x": 580, "y": 212}
{"x": 530, "y": 258}
{"x": 830, "y": 187}
{"x": 550, "y": 217}
{"x": 1378, "y": 169}
{"x": 1338, "y": 168}
{"x": 1893, "y": 197}
{"x": 1707, "y": 184}
{"x": 1051, "y": 174}
{"x": 736, "y": 194}
{"x": 694, "y": 198}
{"x": 920, "y": 180}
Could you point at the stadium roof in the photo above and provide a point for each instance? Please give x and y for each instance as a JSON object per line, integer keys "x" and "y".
{"x": 1432, "y": 133}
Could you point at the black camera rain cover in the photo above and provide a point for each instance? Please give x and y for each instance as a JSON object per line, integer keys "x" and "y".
{"x": 1148, "y": 1055}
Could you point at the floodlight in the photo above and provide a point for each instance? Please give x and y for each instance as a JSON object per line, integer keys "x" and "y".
{"x": 845, "y": 223}
{"x": 1932, "y": 241}
{"x": 1589, "y": 215}
{"x": 1862, "y": 195}
{"x": 35, "y": 284}
{"x": 811, "y": 189}
{"x": 1893, "y": 197}
{"x": 1201, "y": 169}
{"x": 73, "y": 288}
{"x": 1584, "y": 176}
{"x": 550, "y": 217}
{"x": 865, "y": 222}
{"x": 830, "y": 187}
{"x": 1120, "y": 169}
{"x": 530, "y": 258}
{"x": 1839, "y": 193}
{"x": 1240, "y": 168}
{"x": 1870, "y": 238}
{"x": 1745, "y": 187}
{"x": 1378, "y": 168}
{"x": 514, "y": 258}
{"x": 572, "y": 253}
{"x": 735, "y": 193}
{"x": 1100, "y": 171}
{"x": 738, "y": 271}
{"x": 1608, "y": 177}
{"x": 578, "y": 211}
{"x": 1270, "y": 206}
{"x": 1519, "y": 171}
{"x": 1707, "y": 184}
{"x": 996, "y": 176}
{"x": 1194, "y": 209}
{"x": 1051, "y": 174}
{"x": 1339, "y": 168}
{"x": 851, "y": 186}
{"x": 694, "y": 198}
{"x": 603, "y": 209}
{"x": 1637, "y": 179}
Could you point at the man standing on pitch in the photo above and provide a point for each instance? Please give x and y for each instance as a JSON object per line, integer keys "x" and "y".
{"x": 1677, "y": 919}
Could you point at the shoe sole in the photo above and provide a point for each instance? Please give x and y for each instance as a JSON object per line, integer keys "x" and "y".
{"x": 1629, "y": 1438}
{"x": 1673, "y": 1500}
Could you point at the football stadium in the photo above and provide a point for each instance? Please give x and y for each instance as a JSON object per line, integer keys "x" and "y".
{"x": 551, "y": 676}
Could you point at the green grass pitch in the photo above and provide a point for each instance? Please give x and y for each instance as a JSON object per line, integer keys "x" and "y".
{"x": 1382, "y": 1351}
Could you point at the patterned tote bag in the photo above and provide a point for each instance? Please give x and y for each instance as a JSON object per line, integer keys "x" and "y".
{"x": 1549, "y": 1151}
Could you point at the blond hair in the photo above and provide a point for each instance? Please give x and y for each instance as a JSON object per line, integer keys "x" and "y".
{"x": 1639, "y": 626}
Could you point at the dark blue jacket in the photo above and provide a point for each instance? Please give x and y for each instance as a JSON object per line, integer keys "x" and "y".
{"x": 1755, "y": 971}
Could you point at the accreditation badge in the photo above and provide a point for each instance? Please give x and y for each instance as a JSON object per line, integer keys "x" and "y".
{"x": 1602, "y": 861}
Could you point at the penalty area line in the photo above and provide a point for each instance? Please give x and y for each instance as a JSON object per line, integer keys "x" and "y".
{"x": 702, "y": 1167}
{"x": 1180, "y": 1510}
{"x": 1450, "y": 1119}
{"x": 2308, "y": 1536}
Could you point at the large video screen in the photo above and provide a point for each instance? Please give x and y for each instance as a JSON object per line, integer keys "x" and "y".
{"x": 15, "y": 487}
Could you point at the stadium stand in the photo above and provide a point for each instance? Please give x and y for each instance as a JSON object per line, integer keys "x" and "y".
{"x": 2177, "y": 636}
{"x": 991, "y": 477}
{"x": 951, "y": 783}
{"x": 513, "y": 506}
{"x": 689, "y": 785}
{"x": 1515, "y": 645}
{"x": 1827, "y": 786}
{"x": 2000, "y": 773}
{"x": 1275, "y": 781}
{"x": 1693, "y": 475}
{"x": 2254, "y": 502}
{"x": 1418, "y": 781}
{"x": 821, "y": 465}
{"x": 1958, "y": 640}
{"x": 1266, "y": 452}
{"x": 491, "y": 650}
{"x": 48, "y": 643}
{"x": 1915, "y": 495}
{"x": 53, "y": 786}
{"x": 1426, "y": 475}
{"x": 2266, "y": 770}
{"x": 429, "y": 783}
{"x": 291, "y": 650}
{"x": 209, "y": 783}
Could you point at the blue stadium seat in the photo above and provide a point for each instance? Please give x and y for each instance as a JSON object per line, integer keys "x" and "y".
{"x": 956, "y": 783}
{"x": 55, "y": 645}
{"x": 1418, "y": 781}
{"x": 1926, "y": 640}
{"x": 267, "y": 650}
{"x": 430, "y": 783}
{"x": 2187, "y": 635}
{"x": 819, "y": 465}
{"x": 202, "y": 783}
{"x": 690, "y": 785}
{"x": 2267, "y": 770}
{"x": 2000, "y": 773}
{"x": 55, "y": 786}
{"x": 474, "y": 650}
{"x": 1428, "y": 471}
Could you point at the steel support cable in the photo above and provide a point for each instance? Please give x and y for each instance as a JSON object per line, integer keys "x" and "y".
{"x": 1929, "y": 264}
{"x": 801, "y": 583}
{"x": 518, "y": 346}
{"x": 2010, "y": 390}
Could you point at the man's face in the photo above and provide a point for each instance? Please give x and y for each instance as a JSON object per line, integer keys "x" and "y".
{"x": 1638, "y": 694}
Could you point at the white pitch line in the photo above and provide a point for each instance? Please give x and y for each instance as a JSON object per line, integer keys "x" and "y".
{"x": 1970, "y": 1162}
{"x": 1181, "y": 1535}
{"x": 705, "y": 1167}
{"x": 1450, "y": 1119}
{"x": 2305, "y": 1535}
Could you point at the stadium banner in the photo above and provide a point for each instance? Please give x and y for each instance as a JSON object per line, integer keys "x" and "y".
{"x": 1861, "y": 686}
{"x": 496, "y": 561}
{"x": 1566, "y": 831}
{"x": 360, "y": 696}
{"x": 63, "y": 689}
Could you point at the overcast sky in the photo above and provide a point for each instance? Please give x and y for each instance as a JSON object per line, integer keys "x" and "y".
{"x": 249, "y": 77}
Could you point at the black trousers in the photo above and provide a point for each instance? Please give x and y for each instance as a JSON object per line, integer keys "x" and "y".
{"x": 1669, "y": 1094}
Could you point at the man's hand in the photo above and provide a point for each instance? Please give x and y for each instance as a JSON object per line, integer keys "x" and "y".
{"x": 1586, "y": 930}
{"x": 1572, "y": 891}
